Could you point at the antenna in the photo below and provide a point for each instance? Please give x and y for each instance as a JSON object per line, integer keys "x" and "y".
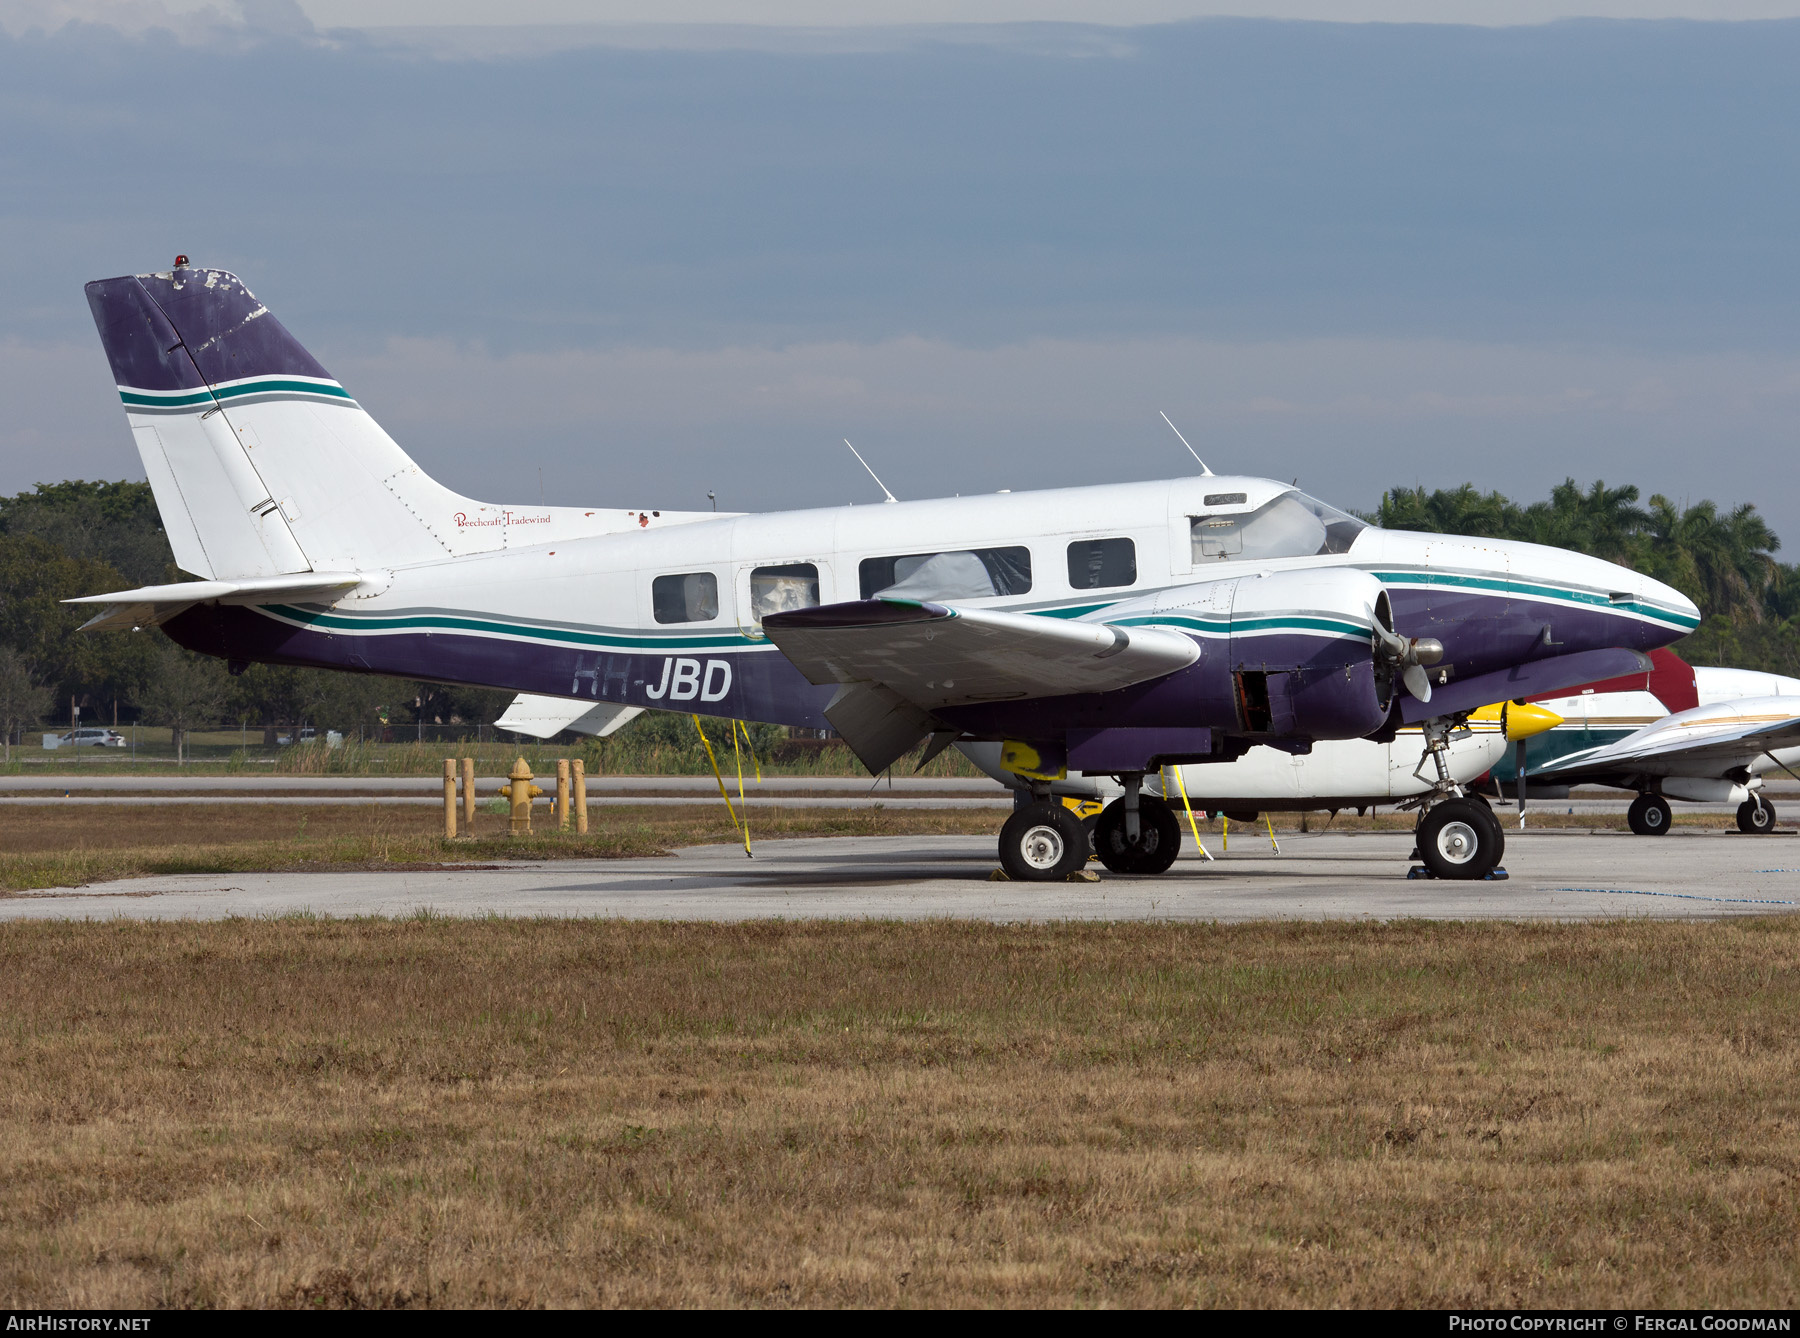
{"x": 1184, "y": 441}
{"x": 872, "y": 474}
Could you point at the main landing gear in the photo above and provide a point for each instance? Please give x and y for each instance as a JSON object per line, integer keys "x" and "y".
{"x": 1650, "y": 815}
{"x": 1458, "y": 837}
{"x": 1756, "y": 815}
{"x": 1138, "y": 833}
{"x": 1042, "y": 842}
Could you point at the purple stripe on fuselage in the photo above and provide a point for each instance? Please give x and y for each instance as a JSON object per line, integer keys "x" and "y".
{"x": 1482, "y": 631}
{"x": 752, "y": 685}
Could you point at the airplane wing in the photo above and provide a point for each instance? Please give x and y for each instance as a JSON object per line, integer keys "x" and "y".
{"x": 542, "y": 717}
{"x": 900, "y": 659}
{"x": 149, "y": 605}
{"x": 1706, "y": 741}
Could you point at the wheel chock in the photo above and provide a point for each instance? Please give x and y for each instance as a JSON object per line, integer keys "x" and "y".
{"x": 999, "y": 876}
{"x": 1497, "y": 874}
{"x": 1079, "y": 876}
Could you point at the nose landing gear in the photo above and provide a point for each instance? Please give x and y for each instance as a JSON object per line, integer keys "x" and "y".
{"x": 1459, "y": 837}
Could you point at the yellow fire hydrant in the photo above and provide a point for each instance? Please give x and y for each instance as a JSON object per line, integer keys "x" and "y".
{"x": 521, "y": 792}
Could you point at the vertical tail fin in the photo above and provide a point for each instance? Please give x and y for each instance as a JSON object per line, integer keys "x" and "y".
{"x": 263, "y": 465}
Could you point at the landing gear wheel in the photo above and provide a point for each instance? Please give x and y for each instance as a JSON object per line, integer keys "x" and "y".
{"x": 1756, "y": 815}
{"x": 1159, "y": 837}
{"x": 1650, "y": 815}
{"x": 1460, "y": 839}
{"x": 1042, "y": 843}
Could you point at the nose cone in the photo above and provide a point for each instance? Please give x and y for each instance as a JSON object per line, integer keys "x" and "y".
{"x": 1637, "y": 611}
{"x": 1523, "y": 720}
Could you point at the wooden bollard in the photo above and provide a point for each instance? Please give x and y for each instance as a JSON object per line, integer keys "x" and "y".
{"x": 580, "y": 795}
{"x": 519, "y": 789}
{"x": 562, "y": 794}
{"x": 449, "y": 799}
{"x": 468, "y": 773}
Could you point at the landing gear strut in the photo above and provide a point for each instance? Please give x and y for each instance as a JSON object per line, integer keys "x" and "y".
{"x": 1459, "y": 837}
{"x": 1756, "y": 815}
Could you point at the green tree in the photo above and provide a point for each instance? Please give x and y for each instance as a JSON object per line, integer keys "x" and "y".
{"x": 113, "y": 523}
{"x": 186, "y": 690}
{"x": 34, "y": 578}
{"x": 23, "y": 700}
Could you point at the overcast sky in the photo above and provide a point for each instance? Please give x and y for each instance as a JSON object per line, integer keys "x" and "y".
{"x": 650, "y": 264}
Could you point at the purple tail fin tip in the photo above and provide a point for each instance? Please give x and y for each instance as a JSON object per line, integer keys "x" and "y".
{"x": 189, "y": 328}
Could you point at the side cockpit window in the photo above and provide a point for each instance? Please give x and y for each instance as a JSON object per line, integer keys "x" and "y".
{"x": 783, "y": 589}
{"x": 1291, "y": 525}
{"x": 692, "y": 597}
{"x": 972, "y": 573}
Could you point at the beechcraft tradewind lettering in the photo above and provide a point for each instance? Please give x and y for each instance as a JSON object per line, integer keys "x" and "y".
{"x": 1113, "y": 629}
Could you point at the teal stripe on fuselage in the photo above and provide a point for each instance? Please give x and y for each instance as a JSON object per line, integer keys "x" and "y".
{"x": 1189, "y": 620}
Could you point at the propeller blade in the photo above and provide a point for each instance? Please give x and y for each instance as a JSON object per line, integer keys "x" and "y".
{"x": 1417, "y": 681}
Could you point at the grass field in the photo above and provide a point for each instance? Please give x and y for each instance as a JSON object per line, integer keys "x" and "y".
{"x": 431, "y": 1112}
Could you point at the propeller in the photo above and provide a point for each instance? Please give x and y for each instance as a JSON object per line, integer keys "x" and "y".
{"x": 1410, "y": 655}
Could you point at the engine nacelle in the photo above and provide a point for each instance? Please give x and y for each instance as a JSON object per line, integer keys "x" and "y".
{"x": 1284, "y": 656}
{"x": 1298, "y": 651}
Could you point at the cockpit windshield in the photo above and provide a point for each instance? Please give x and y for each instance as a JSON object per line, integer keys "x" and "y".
{"x": 1291, "y": 525}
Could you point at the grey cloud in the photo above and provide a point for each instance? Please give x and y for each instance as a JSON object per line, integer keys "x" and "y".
{"x": 761, "y": 425}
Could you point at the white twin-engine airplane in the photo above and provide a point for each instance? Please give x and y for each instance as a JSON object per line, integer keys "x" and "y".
{"x": 1113, "y": 629}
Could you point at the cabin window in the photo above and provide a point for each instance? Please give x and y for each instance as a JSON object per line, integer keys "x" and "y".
{"x": 970, "y": 573}
{"x": 1097, "y": 563}
{"x": 692, "y": 597}
{"x": 1292, "y": 525}
{"x": 783, "y": 589}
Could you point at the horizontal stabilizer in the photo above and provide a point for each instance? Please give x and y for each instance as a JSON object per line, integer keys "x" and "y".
{"x": 544, "y": 717}
{"x": 150, "y": 605}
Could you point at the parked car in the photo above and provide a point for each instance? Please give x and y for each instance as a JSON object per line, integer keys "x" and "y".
{"x": 307, "y": 734}
{"x": 86, "y": 738}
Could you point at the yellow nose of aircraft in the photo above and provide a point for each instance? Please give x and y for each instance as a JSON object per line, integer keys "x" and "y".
{"x": 1520, "y": 720}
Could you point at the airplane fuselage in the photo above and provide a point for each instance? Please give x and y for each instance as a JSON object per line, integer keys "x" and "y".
{"x": 666, "y": 616}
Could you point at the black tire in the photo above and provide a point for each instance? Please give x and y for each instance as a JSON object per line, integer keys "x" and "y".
{"x": 1459, "y": 839}
{"x": 1650, "y": 815}
{"x": 1089, "y": 825}
{"x": 1042, "y": 843}
{"x": 1756, "y": 815}
{"x": 1496, "y": 828}
{"x": 1159, "y": 837}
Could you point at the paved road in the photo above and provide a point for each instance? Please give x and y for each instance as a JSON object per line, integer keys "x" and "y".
{"x": 1555, "y": 875}
{"x": 123, "y": 781}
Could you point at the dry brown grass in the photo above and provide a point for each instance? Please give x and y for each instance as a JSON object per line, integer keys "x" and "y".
{"x": 43, "y": 846}
{"x": 430, "y": 1112}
